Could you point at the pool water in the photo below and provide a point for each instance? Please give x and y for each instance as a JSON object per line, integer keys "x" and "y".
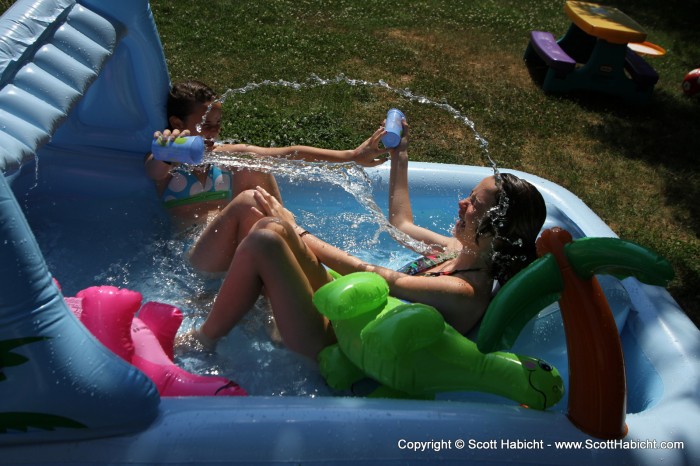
{"x": 127, "y": 242}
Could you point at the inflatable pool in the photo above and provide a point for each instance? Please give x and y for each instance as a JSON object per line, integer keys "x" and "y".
{"x": 82, "y": 85}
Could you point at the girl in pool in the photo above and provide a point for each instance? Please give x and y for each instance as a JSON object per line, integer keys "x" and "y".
{"x": 492, "y": 240}
{"x": 221, "y": 197}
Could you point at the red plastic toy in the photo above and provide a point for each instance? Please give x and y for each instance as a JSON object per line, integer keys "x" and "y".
{"x": 691, "y": 82}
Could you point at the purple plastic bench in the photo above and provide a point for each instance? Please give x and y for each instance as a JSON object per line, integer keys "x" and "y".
{"x": 551, "y": 53}
{"x": 641, "y": 72}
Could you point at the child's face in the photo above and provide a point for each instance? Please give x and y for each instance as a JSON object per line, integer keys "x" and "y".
{"x": 475, "y": 207}
{"x": 210, "y": 128}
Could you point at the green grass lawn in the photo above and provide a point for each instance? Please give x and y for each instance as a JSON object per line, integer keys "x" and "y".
{"x": 636, "y": 167}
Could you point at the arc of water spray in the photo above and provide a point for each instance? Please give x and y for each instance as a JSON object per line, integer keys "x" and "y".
{"x": 341, "y": 175}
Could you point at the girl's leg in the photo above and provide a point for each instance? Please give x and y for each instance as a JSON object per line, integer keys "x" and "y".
{"x": 274, "y": 257}
{"x": 215, "y": 247}
{"x": 244, "y": 179}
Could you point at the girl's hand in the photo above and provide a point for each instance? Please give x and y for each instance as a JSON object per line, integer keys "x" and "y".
{"x": 368, "y": 154}
{"x": 159, "y": 169}
{"x": 403, "y": 144}
{"x": 269, "y": 206}
{"x": 167, "y": 135}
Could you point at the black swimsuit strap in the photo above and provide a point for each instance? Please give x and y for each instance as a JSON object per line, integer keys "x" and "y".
{"x": 451, "y": 272}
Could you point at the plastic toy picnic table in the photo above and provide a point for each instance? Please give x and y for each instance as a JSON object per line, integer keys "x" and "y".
{"x": 594, "y": 55}
{"x": 604, "y": 22}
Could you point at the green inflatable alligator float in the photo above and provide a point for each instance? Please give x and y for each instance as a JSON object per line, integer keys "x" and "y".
{"x": 410, "y": 349}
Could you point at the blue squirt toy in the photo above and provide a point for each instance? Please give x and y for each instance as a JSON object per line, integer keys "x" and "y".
{"x": 189, "y": 149}
{"x": 393, "y": 127}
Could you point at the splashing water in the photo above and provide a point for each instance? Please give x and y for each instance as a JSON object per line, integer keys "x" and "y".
{"x": 349, "y": 176}
{"x": 315, "y": 81}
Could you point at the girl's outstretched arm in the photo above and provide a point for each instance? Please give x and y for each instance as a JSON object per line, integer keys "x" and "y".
{"x": 400, "y": 211}
{"x": 367, "y": 154}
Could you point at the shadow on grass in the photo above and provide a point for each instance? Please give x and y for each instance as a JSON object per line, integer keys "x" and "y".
{"x": 662, "y": 134}
{"x": 671, "y": 15}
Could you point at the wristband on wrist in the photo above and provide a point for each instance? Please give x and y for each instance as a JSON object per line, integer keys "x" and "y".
{"x": 303, "y": 233}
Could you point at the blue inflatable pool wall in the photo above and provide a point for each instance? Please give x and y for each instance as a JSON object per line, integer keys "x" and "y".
{"x": 57, "y": 55}
{"x": 90, "y": 84}
{"x": 82, "y": 87}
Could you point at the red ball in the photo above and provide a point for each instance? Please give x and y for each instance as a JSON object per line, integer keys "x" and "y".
{"x": 691, "y": 82}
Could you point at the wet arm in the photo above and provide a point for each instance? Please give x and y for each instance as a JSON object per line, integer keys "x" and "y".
{"x": 366, "y": 154}
{"x": 453, "y": 297}
{"x": 156, "y": 169}
{"x": 400, "y": 211}
{"x": 310, "y": 154}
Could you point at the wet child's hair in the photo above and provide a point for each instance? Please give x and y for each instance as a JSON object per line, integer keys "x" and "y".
{"x": 514, "y": 224}
{"x": 185, "y": 96}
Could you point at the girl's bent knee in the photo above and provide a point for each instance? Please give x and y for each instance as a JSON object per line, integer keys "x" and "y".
{"x": 264, "y": 237}
{"x": 269, "y": 224}
{"x": 246, "y": 197}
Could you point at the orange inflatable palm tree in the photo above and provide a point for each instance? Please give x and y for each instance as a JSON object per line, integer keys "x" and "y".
{"x": 566, "y": 271}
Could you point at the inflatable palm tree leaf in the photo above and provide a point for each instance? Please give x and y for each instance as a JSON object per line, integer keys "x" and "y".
{"x": 620, "y": 258}
{"x": 540, "y": 284}
{"x": 534, "y": 288}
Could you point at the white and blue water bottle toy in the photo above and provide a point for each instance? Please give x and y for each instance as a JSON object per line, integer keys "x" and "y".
{"x": 189, "y": 149}
{"x": 393, "y": 127}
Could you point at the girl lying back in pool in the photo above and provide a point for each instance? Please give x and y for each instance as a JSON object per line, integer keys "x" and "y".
{"x": 492, "y": 240}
